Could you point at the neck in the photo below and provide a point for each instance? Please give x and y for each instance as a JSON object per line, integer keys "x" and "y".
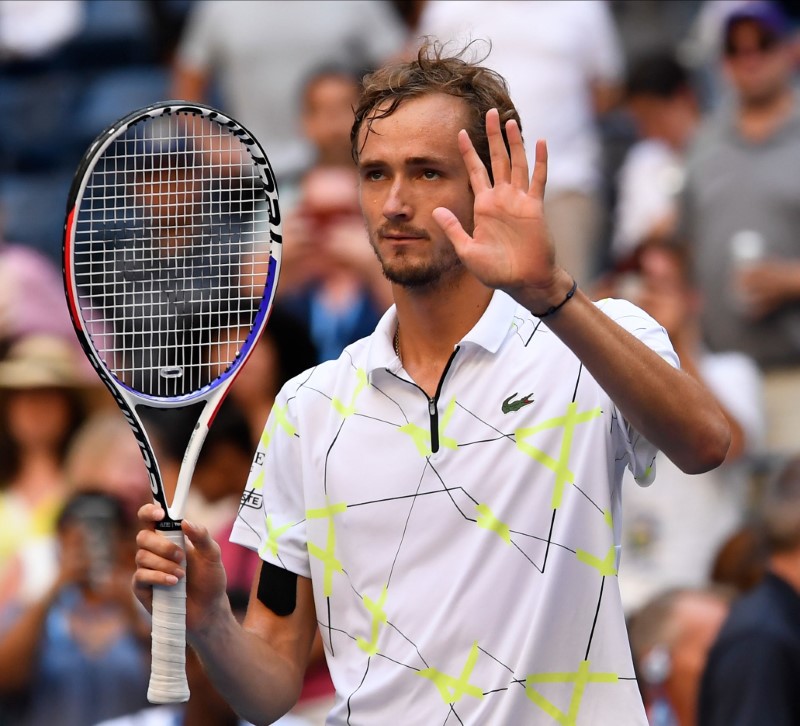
{"x": 786, "y": 565}
{"x": 759, "y": 118}
{"x": 39, "y": 475}
{"x": 431, "y": 321}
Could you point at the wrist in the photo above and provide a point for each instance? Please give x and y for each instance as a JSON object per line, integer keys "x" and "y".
{"x": 215, "y": 626}
{"x": 546, "y": 301}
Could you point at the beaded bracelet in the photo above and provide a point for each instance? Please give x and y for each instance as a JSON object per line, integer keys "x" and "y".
{"x": 554, "y": 308}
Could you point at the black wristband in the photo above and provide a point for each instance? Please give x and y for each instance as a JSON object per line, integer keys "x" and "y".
{"x": 554, "y": 308}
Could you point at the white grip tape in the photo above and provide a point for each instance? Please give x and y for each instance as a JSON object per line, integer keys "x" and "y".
{"x": 168, "y": 670}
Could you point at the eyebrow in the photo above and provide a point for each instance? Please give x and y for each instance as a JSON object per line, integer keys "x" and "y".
{"x": 411, "y": 161}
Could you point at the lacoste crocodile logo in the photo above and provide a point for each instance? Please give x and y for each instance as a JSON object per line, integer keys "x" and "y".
{"x": 509, "y": 405}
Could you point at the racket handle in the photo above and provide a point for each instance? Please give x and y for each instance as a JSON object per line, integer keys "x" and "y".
{"x": 168, "y": 669}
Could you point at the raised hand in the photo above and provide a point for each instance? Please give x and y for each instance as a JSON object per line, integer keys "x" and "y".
{"x": 510, "y": 247}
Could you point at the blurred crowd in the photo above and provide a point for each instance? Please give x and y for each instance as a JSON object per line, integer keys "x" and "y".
{"x": 673, "y": 130}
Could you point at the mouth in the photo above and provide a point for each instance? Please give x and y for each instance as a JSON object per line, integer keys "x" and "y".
{"x": 402, "y": 236}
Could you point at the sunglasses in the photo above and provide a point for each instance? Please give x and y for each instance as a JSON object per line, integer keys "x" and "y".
{"x": 767, "y": 42}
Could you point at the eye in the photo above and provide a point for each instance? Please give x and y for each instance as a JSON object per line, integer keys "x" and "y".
{"x": 372, "y": 174}
{"x": 430, "y": 174}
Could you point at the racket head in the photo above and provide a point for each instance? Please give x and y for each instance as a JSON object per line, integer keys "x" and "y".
{"x": 139, "y": 187}
{"x": 171, "y": 257}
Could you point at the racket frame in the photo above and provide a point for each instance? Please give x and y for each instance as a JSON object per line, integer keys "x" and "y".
{"x": 214, "y": 392}
{"x": 168, "y": 682}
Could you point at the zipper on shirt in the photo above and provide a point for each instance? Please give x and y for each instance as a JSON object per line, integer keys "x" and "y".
{"x": 433, "y": 404}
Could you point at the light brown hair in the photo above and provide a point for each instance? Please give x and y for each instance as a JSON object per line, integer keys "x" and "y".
{"x": 384, "y": 90}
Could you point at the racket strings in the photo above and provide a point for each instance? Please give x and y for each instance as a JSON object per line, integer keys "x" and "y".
{"x": 171, "y": 253}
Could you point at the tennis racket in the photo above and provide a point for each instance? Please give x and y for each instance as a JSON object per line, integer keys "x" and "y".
{"x": 172, "y": 249}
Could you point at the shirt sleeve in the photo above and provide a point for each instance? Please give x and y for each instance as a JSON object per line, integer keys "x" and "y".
{"x": 641, "y": 454}
{"x": 271, "y": 518}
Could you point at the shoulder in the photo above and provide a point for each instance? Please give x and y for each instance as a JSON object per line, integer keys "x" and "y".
{"x": 626, "y": 314}
{"x": 328, "y": 375}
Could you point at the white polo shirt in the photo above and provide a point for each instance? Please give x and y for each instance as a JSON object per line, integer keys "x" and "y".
{"x": 475, "y": 582}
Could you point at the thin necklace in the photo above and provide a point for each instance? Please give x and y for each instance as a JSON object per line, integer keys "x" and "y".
{"x": 397, "y": 342}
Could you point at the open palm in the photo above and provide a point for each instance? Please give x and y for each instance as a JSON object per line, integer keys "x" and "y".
{"x": 510, "y": 247}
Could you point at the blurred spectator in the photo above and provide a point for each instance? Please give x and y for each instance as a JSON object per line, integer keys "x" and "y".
{"x": 257, "y": 54}
{"x": 563, "y": 62}
{"x": 672, "y": 532}
{"x": 104, "y": 456}
{"x": 43, "y": 399}
{"x": 753, "y": 669}
{"x": 741, "y": 212}
{"x": 284, "y": 350}
{"x": 665, "y": 112}
{"x": 78, "y": 652}
{"x": 222, "y": 466}
{"x": 699, "y": 49}
{"x": 740, "y": 561}
{"x": 670, "y": 639}
{"x": 330, "y": 277}
{"x": 31, "y": 295}
{"x": 31, "y": 30}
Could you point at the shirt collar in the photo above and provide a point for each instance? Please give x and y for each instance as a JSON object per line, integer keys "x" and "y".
{"x": 488, "y": 333}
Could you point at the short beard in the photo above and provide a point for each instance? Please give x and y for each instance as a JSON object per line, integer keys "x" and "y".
{"x": 446, "y": 266}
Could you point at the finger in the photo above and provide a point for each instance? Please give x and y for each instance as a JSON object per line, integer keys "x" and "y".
{"x": 451, "y": 227}
{"x": 539, "y": 179}
{"x": 149, "y": 514}
{"x": 501, "y": 166}
{"x": 519, "y": 161}
{"x": 201, "y": 540}
{"x": 148, "y": 541}
{"x": 478, "y": 176}
{"x": 144, "y": 580}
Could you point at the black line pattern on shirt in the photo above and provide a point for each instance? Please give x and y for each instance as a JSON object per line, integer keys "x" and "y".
{"x": 427, "y": 468}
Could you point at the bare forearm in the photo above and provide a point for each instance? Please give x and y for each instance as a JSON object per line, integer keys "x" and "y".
{"x": 667, "y": 406}
{"x": 258, "y": 681}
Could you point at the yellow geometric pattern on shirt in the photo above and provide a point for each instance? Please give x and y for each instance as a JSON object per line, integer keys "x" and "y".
{"x": 271, "y": 543}
{"x": 451, "y": 689}
{"x": 278, "y": 418}
{"x": 378, "y": 618}
{"x": 327, "y": 555}
{"x": 350, "y": 409}
{"x": 422, "y": 436}
{"x": 487, "y": 520}
{"x": 560, "y": 467}
{"x": 605, "y": 566}
{"x": 580, "y": 679}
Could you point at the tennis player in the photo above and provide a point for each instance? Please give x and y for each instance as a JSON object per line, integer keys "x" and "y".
{"x": 443, "y": 501}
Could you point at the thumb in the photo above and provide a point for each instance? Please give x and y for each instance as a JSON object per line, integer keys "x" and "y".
{"x": 451, "y": 227}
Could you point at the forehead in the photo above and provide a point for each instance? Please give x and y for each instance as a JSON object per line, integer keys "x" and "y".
{"x": 747, "y": 30}
{"x": 331, "y": 87}
{"x": 419, "y": 126}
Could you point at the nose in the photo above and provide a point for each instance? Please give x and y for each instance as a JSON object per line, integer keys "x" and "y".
{"x": 397, "y": 203}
